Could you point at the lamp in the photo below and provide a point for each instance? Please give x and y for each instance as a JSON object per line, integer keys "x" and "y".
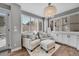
{"x": 49, "y": 11}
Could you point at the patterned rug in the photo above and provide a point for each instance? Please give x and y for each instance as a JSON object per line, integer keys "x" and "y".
{"x": 41, "y": 52}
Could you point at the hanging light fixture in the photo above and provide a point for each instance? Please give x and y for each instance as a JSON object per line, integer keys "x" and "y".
{"x": 49, "y": 11}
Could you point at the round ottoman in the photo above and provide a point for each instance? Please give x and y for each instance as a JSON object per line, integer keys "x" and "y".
{"x": 47, "y": 44}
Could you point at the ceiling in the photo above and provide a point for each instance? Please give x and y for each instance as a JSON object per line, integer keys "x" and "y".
{"x": 38, "y": 8}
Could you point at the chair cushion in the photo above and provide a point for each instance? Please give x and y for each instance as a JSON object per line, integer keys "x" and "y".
{"x": 43, "y": 35}
{"x": 46, "y": 42}
{"x": 29, "y": 35}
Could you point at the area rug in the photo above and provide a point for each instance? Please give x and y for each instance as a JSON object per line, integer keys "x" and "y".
{"x": 41, "y": 52}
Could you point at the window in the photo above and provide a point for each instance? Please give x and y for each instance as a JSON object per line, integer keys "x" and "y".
{"x": 33, "y": 24}
{"x": 30, "y": 24}
{"x": 25, "y": 21}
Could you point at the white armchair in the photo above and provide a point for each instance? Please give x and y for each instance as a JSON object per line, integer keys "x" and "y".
{"x": 43, "y": 36}
{"x": 30, "y": 44}
{"x": 30, "y": 41}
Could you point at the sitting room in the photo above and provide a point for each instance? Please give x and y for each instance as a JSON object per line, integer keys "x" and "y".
{"x": 39, "y": 29}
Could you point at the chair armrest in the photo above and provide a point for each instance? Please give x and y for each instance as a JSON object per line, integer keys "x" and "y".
{"x": 35, "y": 43}
{"x": 26, "y": 42}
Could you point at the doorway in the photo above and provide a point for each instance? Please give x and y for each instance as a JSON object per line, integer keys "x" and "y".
{"x": 4, "y": 35}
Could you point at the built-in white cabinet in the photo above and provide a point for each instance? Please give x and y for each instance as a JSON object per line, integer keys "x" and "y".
{"x": 68, "y": 38}
{"x": 66, "y": 28}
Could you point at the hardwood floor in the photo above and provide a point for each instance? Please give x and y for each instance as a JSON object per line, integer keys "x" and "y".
{"x": 22, "y": 52}
{"x": 66, "y": 51}
{"x": 62, "y": 51}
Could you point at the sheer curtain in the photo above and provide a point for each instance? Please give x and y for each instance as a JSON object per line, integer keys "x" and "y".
{"x": 25, "y": 23}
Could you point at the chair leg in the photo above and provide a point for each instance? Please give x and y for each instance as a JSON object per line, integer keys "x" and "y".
{"x": 31, "y": 50}
{"x": 41, "y": 48}
{"x": 46, "y": 51}
{"x": 53, "y": 47}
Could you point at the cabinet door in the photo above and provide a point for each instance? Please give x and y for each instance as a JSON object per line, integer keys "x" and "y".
{"x": 65, "y": 39}
{"x": 59, "y": 38}
{"x": 54, "y": 36}
{"x": 72, "y": 40}
{"x": 77, "y": 42}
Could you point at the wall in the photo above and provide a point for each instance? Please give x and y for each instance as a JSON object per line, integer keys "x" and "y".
{"x": 15, "y": 26}
{"x": 45, "y": 25}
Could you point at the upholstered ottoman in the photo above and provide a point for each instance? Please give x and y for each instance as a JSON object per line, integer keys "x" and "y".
{"x": 47, "y": 44}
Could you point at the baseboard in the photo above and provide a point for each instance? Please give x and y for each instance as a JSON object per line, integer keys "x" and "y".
{"x": 18, "y": 48}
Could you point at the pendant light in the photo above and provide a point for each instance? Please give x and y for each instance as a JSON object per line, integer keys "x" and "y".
{"x": 49, "y": 11}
